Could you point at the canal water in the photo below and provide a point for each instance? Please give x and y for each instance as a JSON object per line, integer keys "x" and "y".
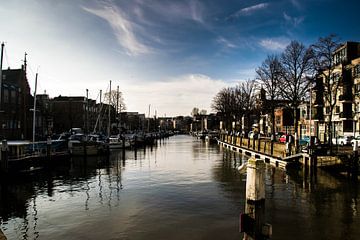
{"x": 182, "y": 188}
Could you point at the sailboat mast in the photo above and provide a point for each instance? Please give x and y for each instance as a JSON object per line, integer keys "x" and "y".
{"x": 1, "y": 63}
{"x": 148, "y": 127}
{"x": 117, "y": 107}
{"x": 109, "y": 110}
{"x": 87, "y": 112}
{"x": 100, "y": 122}
{"x": 34, "y": 113}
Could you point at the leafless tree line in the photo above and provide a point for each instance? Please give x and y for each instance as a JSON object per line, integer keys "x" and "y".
{"x": 287, "y": 76}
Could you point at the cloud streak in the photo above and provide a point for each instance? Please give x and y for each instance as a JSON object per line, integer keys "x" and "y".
{"x": 226, "y": 43}
{"x": 248, "y": 10}
{"x": 123, "y": 29}
{"x": 274, "y": 44}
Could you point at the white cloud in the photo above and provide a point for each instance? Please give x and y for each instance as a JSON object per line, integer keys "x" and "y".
{"x": 196, "y": 12}
{"x": 274, "y": 44}
{"x": 123, "y": 29}
{"x": 175, "y": 11}
{"x": 226, "y": 43}
{"x": 249, "y": 10}
{"x": 176, "y": 97}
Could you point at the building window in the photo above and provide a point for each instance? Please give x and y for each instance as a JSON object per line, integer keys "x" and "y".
{"x": 277, "y": 119}
{"x": 357, "y": 70}
{"x": 340, "y": 56}
{"x": 357, "y": 107}
{"x": 6, "y": 96}
{"x": 327, "y": 110}
{"x": 13, "y": 96}
{"x": 335, "y": 78}
{"x": 357, "y": 88}
{"x": 337, "y": 109}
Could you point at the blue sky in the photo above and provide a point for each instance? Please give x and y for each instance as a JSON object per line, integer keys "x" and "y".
{"x": 172, "y": 54}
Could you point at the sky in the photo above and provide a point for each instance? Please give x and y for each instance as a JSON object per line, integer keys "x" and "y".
{"x": 173, "y": 55}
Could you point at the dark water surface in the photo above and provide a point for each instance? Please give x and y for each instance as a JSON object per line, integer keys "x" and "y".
{"x": 182, "y": 188}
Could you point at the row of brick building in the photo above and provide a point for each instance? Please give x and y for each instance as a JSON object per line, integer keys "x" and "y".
{"x": 53, "y": 116}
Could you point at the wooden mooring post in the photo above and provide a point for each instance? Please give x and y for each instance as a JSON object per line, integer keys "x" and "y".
{"x": 253, "y": 220}
{"x": 48, "y": 148}
{"x": 355, "y": 162}
{"x": 4, "y": 156}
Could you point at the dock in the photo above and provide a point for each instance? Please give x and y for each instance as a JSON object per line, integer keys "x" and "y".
{"x": 276, "y": 154}
{"x": 273, "y": 160}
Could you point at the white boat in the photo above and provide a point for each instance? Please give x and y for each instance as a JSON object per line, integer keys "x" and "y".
{"x": 79, "y": 145}
{"x": 115, "y": 142}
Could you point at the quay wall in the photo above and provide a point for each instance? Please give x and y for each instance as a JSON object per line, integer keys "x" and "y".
{"x": 259, "y": 149}
{"x": 262, "y": 147}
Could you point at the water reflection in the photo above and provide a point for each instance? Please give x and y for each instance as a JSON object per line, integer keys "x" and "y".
{"x": 182, "y": 188}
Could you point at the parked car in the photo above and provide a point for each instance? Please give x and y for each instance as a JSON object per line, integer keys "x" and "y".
{"x": 341, "y": 140}
{"x": 305, "y": 140}
{"x": 356, "y": 139}
{"x": 283, "y": 138}
{"x": 278, "y": 135}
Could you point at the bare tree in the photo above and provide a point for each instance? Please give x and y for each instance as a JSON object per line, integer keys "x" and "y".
{"x": 248, "y": 90}
{"x": 268, "y": 77}
{"x": 224, "y": 103}
{"x": 296, "y": 65}
{"x": 203, "y": 112}
{"x": 325, "y": 68}
{"x": 239, "y": 106}
{"x": 116, "y": 100}
{"x": 235, "y": 102}
{"x": 195, "y": 111}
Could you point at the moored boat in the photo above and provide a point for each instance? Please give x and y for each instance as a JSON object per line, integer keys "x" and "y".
{"x": 115, "y": 142}
{"x": 83, "y": 145}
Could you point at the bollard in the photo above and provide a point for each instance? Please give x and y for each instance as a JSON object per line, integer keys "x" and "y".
{"x": 123, "y": 142}
{"x": 48, "y": 147}
{"x": 355, "y": 165}
{"x": 272, "y": 144}
{"x": 4, "y": 156}
{"x": 253, "y": 221}
{"x": 288, "y": 149}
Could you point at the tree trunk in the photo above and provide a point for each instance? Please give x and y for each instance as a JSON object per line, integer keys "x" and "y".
{"x": 296, "y": 129}
{"x": 272, "y": 139}
{"x": 330, "y": 134}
